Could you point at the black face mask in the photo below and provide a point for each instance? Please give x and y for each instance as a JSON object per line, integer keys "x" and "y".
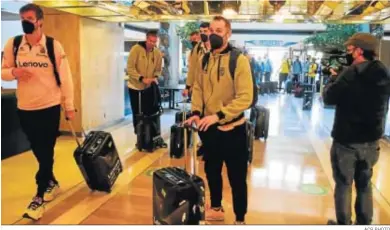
{"x": 216, "y": 41}
{"x": 350, "y": 59}
{"x": 28, "y": 27}
{"x": 204, "y": 37}
{"x": 193, "y": 44}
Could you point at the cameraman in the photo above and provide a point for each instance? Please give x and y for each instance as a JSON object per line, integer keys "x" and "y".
{"x": 361, "y": 95}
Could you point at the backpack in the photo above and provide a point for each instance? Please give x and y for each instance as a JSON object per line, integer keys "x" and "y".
{"x": 234, "y": 54}
{"x": 50, "y": 52}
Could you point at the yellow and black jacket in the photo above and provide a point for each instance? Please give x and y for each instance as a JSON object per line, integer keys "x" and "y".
{"x": 216, "y": 92}
{"x": 193, "y": 63}
{"x": 142, "y": 64}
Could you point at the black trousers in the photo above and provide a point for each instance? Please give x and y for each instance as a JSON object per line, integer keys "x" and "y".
{"x": 146, "y": 104}
{"x": 296, "y": 78}
{"x": 354, "y": 163}
{"x": 267, "y": 76}
{"x": 230, "y": 148}
{"x": 282, "y": 78}
{"x": 41, "y": 128}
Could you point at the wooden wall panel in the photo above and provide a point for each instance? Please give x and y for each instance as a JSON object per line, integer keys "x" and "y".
{"x": 65, "y": 28}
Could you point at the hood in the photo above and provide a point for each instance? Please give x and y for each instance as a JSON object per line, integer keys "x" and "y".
{"x": 374, "y": 72}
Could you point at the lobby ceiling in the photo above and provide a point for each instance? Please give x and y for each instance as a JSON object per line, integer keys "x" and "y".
{"x": 289, "y": 11}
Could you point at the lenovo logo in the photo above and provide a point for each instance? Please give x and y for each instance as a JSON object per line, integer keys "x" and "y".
{"x": 33, "y": 64}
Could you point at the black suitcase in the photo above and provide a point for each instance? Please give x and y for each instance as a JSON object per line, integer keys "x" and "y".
{"x": 176, "y": 148}
{"x": 149, "y": 130}
{"x": 179, "y": 116}
{"x": 98, "y": 160}
{"x": 308, "y": 98}
{"x": 273, "y": 87}
{"x": 261, "y": 116}
{"x": 179, "y": 196}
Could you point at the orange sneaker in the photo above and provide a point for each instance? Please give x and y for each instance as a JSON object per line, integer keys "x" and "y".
{"x": 216, "y": 214}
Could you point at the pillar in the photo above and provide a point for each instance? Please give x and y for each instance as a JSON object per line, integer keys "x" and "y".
{"x": 175, "y": 54}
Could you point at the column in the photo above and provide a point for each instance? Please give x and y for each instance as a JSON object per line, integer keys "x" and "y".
{"x": 174, "y": 51}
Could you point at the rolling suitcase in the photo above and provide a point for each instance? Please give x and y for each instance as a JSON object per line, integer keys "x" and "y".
{"x": 149, "y": 130}
{"x": 98, "y": 160}
{"x": 179, "y": 196}
{"x": 179, "y": 116}
{"x": 176, "y": 148}
{"x": 308, "y": 98}
{"x": 261, "y": 115}
{"x": 273, "y": 87}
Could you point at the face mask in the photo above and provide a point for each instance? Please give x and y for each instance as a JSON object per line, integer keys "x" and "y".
{"x": 350, "y": 59}
{"x": 193, "y": 44}
{"x": 204, "y": 37}
{"x": 28, "y": 27}
{"x": 216, "y": 41}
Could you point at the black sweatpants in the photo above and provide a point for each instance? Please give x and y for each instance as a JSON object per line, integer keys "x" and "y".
{"x": 282, "y": 78}
{"x": 41, "y": 128}
{"x": 146, "y": 103}
{"x": 230, "y": 148}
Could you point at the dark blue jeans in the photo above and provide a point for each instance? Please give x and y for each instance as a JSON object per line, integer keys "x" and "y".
{"x": 354, "y": 162}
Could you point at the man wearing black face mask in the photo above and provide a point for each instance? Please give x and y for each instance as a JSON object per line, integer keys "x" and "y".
{"x": 194, "y": 38}
{"x": 361, "y": 95}
{"x": 197, "y": 53}
{"x": 219, "y": 100}
{"x": 43, "y": 85}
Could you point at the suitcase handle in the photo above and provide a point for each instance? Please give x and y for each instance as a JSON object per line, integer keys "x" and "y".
{"x": 72, "y": 129}
{"x": 194, "y": 169}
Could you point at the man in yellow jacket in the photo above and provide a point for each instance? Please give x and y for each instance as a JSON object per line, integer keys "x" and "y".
{"x": 196, "y": 55}
{"x": 313, "y": 67}
{"x": 218, "y": 104}
{"x": 143, "y": 68}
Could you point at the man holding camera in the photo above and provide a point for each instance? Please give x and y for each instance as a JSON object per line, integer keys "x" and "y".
{"x": 361, "y": 95}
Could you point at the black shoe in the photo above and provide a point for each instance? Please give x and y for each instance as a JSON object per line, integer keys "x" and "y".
{"x": 332, "y": 222}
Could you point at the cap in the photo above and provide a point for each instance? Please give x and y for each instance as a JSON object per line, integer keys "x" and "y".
{"x": 364, "y": 41}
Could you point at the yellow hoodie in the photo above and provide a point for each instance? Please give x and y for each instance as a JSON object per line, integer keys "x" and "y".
{"x": 193, "y": 63}
{"x": 215, "y": 91}
{"x": 142, "y": 64}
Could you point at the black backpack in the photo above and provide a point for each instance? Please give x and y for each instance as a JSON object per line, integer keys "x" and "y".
{"x": 50, "y": 52}
{"x": 234, "y": 54}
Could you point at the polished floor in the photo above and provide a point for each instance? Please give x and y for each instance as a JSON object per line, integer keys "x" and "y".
{"x": 289, "y": 180}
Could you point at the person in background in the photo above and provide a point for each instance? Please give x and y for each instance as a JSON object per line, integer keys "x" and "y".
{"x": 361, "y": 95}
{"x": 194, "y": 38}
{"x": 194, "y": 60}
{"x": 284, "y": 71}
{"x": 296, "y": 70}
{"x": 305, "y": 70}
{"x": 144, "y": 66}
{"x": 196, "y": 55}
{"x": 312, "y": 71}
{"x": 260, "y": 65}
{"x": 40, "y": 96}
{"x": 267, "y": 68}
{"x": 219, "y": 115}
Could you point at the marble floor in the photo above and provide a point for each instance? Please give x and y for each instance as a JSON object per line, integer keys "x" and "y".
{"x": 289, "y": 180}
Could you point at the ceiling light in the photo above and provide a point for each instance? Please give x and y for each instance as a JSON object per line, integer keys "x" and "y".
{"x": 368, "y": 18}
{"x": 229, "y": 12}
